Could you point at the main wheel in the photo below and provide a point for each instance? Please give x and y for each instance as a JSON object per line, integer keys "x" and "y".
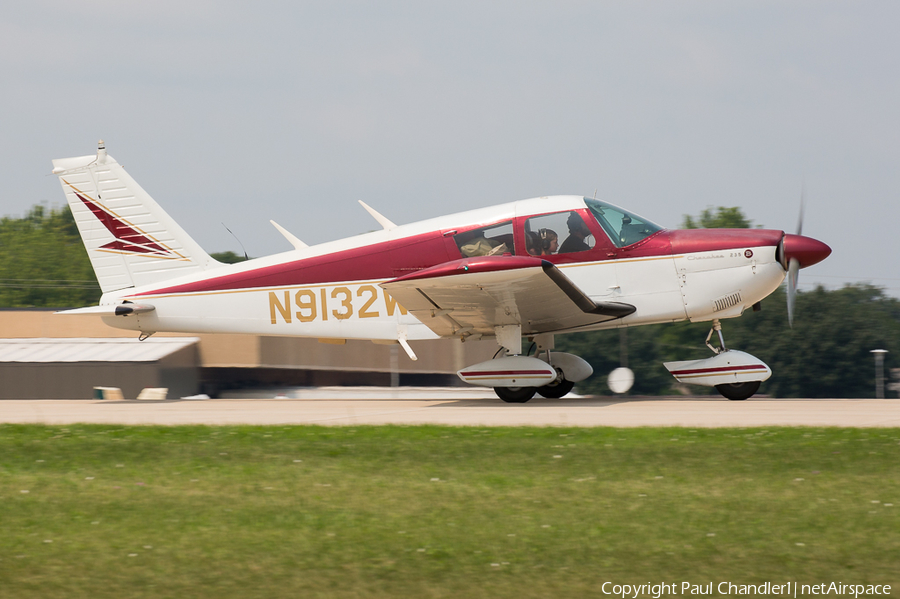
{"x": 556, "y": 391}
{"x": 515, "y": 394}
{"x": 738, "y": 391}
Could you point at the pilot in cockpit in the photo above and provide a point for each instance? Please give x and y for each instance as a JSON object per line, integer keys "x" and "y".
{"x": 577, "y": 233}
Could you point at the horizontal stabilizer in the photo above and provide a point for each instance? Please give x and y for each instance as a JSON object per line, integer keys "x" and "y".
{"x": 112, "y": 310}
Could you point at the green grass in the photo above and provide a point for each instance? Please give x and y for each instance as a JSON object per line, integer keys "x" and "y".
{"x": 439, "y": 512}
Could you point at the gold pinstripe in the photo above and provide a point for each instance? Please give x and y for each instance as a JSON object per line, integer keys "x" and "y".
{"x": 255, "y": 289}
{"x": 379, "y": 281}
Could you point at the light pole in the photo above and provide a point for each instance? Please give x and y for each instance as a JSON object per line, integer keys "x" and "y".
{"x": 879, "y": 372}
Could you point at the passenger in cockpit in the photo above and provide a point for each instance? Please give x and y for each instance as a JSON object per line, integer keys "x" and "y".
{"x": 549, "y": 242}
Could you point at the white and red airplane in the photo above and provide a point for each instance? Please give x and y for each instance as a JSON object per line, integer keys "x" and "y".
{"x": 533, "y": 268}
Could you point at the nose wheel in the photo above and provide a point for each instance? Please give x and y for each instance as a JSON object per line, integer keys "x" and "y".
{"x": 738, "y": 391}
{"x": 733, "y": 391}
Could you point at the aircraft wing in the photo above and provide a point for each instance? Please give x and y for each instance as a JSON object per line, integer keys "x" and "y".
{"x": 474, "y": 295}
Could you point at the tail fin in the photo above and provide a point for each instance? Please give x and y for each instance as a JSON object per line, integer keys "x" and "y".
{"x": 130, "y": 240}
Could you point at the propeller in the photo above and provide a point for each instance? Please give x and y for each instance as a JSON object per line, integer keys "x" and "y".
{"x": 793, "y": 274}
{"x": 799, "y": 252}
{"x": 794, "y": 264}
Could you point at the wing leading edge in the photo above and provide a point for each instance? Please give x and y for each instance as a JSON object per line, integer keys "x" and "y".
{"x": 471, "y": 296}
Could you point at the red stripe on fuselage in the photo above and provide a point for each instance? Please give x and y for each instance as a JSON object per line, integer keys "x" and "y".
{"x": 689, "y": 241}
{"x": 506, "y": 372}
{"x": 384, "y": 260}
{"x": 720, "y": 369}
{"x": 395, "y": 258}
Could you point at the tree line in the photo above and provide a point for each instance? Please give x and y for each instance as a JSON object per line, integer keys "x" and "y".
{"x": 43, "y": 263}
{"x": 825, "y": 354}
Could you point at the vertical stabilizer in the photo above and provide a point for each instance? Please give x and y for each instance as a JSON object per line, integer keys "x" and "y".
{"x": 130, "y": 240}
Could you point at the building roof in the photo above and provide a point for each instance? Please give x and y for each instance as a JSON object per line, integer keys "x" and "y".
{"x": 49, "y": 350}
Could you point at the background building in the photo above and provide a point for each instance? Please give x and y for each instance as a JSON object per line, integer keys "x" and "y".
{"x": 48, "y": 356}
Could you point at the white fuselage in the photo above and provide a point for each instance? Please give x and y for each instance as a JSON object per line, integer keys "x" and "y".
{"x": 668, "y": 287}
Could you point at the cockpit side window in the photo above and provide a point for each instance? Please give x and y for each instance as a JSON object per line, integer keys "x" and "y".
{"x": 557, "y": 233}
{"x": 623, "y": 227}
{"x": 493, "y": 240}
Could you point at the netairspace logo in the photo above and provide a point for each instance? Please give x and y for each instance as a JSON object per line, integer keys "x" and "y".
{"x": 787, "y": 589}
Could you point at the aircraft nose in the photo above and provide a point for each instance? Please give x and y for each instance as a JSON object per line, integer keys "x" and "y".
{"x": 806, "y": 250}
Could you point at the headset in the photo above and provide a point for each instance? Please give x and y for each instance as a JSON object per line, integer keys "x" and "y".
{"x": 546, "y": 238}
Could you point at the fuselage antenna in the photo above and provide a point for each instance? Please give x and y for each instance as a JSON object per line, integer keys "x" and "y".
{"x": 246, "y": 257}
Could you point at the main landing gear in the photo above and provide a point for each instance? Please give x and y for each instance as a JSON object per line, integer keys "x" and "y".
{"x": 734, "y": 374}
{"x": 556, "y": 389}
{"x": 515, "y": 394}
{"x": 516, "y": 378}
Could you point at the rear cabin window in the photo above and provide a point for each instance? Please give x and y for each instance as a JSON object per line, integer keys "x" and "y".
{"x": 493, "y": 240}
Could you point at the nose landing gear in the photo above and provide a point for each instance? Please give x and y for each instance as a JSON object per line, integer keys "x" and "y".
{"x": 738, "y": 391}
{"x": 734, "y": 374}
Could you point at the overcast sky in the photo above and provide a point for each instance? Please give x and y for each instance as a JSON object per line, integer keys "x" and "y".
{"x": 238, "y": 112}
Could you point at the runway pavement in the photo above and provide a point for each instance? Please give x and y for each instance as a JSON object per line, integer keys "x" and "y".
{"x": 461, "y": 407}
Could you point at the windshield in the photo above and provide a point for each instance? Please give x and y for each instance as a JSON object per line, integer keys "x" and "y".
{"x": 622, "y": 227}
